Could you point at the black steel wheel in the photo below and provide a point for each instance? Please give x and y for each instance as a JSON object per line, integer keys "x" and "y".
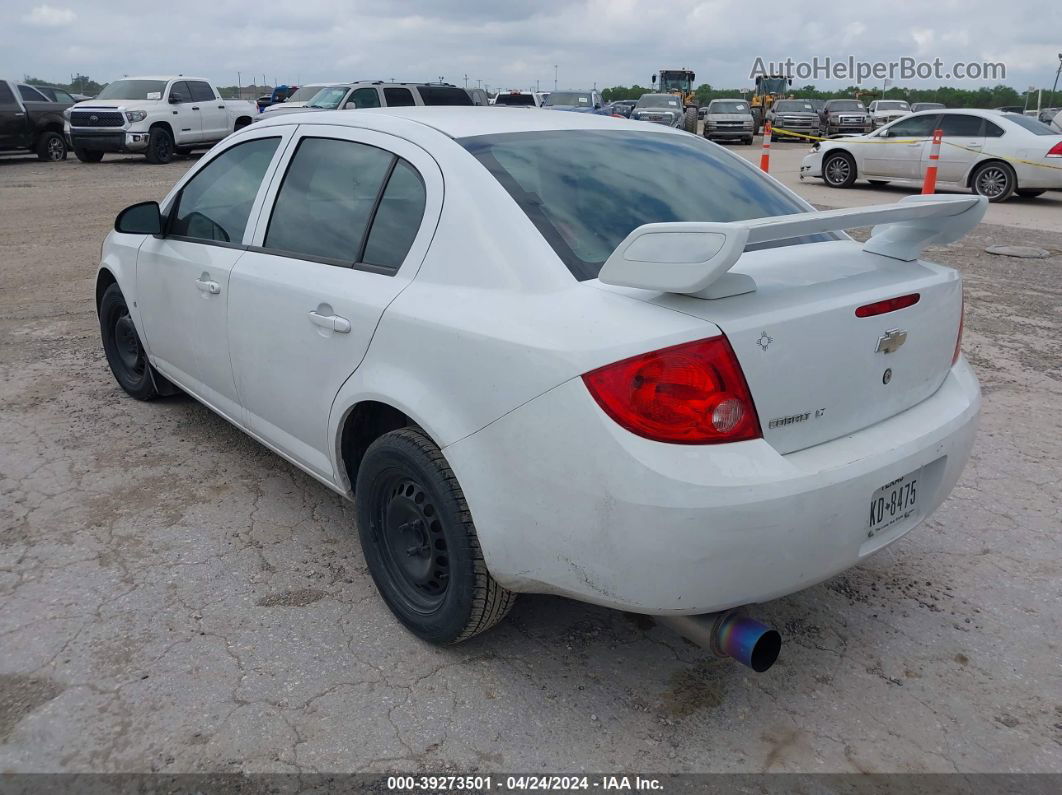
{"x": 160, "y": 148}
{"x": 420, "y": 543}
{"x": 121, "y": 344}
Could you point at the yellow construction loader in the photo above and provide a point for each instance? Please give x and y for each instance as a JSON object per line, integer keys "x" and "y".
{"x": 680, "y": 83}
{"x": 768, "y": 89}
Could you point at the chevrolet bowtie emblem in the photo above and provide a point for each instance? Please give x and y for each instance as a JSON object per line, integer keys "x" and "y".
{"x": 891, "y": 340}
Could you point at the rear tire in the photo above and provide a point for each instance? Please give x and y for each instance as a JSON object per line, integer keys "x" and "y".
{"x": 160, "y": 149}
{"x": 1029, "y": 193}
{"x": 122, "y": 346}
{"x": 420, "y": 543}
{"x": 839, "y": 170}
{"x": 747, "y": 141}
{"x": 878, "y": 181}
{"x": 689, "y": 123}
{"x": 51, "y": 147}
{"x": 994, "y": 180}
{"x": 86, "y": 156}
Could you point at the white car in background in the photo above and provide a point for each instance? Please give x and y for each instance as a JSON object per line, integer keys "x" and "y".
{"x": 883, "y": 111}
{"x": 993, "y": 154}
{"x": 671, "y": 388}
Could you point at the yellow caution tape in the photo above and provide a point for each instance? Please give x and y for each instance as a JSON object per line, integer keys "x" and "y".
{"x": 915, "y": 141}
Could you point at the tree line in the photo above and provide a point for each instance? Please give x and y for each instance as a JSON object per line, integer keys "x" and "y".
{"x": 984, "y": 97}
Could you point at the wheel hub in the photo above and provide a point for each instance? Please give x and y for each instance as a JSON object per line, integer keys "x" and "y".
{"x": 992, "y": 182}
{"x": 414, "y": 544}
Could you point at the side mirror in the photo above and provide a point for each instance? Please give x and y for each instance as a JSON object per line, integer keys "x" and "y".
{"x": 350, "y": 104}
{"x": 139, "y": 219}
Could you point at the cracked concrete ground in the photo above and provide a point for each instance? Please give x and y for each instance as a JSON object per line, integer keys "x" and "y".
{"x": 173, "y": 597}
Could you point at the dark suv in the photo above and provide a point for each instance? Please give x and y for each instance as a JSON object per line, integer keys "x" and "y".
{"x": 31, "y": 119}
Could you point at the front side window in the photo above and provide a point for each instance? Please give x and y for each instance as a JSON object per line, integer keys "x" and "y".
{"x": 180, "y": 92}
{"x": 326, "y": 201}
{"x": 567, "y": 184}
{"x": 215, "y": 204}
{"x": 364, "y": 98}
{"x": 913, "y": 127}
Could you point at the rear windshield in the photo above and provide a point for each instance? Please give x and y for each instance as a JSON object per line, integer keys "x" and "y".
{"x": 1030, "y": 124}
{"x": 892, "y": 105}
{"x": 793, "y": 106}
{"x": 133, "y": 89}
{"x": 567, "y": 183}
{"x": 444, "y": 95}
{"x": 728, "y": 107}
{"x": 657, "y": 101}
{"x": 514, "y": 99}
{"x": 576, "y": 98}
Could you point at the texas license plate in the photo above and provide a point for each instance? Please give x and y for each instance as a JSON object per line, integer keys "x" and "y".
{"x": 893, "y": 503}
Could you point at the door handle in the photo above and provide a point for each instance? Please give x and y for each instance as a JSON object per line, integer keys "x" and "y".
{"x": 207, "y": 286}
{"x": 338, "y": 324}
{"x": 221, "y": 107}
{"x": 194, "y": 107}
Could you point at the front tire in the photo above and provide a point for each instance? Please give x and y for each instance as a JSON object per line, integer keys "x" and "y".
{"x": 122, "y": 346}
{"x": 995, "y": 181}
{"x": 51, "y": 147}
{"x": 747, "y": 141}
{"x": 1029, "y": 193}
{"x": 420, "y": 543}
{"x": 87, "y": 156}
{"x": 839, "y": 170}
{"x": 160, "y": 149}
{"x": 689, "y": 123}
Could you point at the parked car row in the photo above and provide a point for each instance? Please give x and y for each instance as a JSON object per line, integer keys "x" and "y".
{"x": 995, "y": 155}
{"x": 31, "y": 119}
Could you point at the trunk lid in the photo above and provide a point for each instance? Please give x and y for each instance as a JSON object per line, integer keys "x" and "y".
{"x": 812, "y": 366}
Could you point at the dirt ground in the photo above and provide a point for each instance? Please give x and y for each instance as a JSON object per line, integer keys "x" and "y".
{"x": 173, "y": 597}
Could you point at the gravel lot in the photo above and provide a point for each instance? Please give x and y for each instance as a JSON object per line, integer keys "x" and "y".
{"x": 173, "y": 597}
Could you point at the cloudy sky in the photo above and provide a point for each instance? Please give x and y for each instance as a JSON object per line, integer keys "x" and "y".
{"x": 514, "y": 43}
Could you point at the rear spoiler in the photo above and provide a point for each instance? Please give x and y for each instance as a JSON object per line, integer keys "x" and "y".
{"x": 694, "y": 257}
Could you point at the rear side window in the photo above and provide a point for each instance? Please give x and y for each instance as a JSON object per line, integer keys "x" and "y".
{"x": 444, "y": 95}
{"x": 397, "y": 218}
{"x": 992, "y": 130}
{"x": 201, "y": 92}
{"x": 30, "y": 94}
{"x": 398, "y": 97}
{"x": 327, "y": 200}
{"x": 215, "y": 204}
{"x": 961, "y": 125}
{"x": 567, "y": 184}
{"x": 6, "y": 96}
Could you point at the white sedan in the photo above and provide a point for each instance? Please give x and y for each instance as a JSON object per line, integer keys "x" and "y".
{"x": 672, "y": 388}
{"x": 993, "y": 154}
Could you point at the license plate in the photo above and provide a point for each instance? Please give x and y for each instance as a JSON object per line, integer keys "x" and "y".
{"x": 895, "y": 502}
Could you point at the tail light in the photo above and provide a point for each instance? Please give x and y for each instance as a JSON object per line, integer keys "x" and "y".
{"x": 1055, "y": 151}
{"x": 694, "y": 393}
{"x": 958, "y": 339}
{"x": 888, "y": 305}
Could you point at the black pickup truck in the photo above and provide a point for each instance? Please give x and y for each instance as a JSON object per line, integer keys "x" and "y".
{"x": 31, "y": 120}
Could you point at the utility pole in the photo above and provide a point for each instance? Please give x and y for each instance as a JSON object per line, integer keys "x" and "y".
{"x": 466, "y": 80}
{"x": 479, "y": 83}
{"x": 1057, "y": 71}
{"x": 239, "y": 86}
{"x": 554, "y": 77}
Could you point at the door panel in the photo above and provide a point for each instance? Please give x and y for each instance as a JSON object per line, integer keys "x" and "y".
{"x": 13, "y": 120}
{"x": 215, "y": 119}
{"x": 895, "y": 157}
{"x": 301, "y": 320}
{"x": 183, "y": 277}
{"x": 187, "y": 123}
{"x": 961, "y": 145}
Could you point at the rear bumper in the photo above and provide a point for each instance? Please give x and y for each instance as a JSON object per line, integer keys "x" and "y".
{"x": 567, "y": 502}
{"x": 114, "y": 140}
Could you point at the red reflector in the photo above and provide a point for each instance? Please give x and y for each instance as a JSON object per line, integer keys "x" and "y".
{"x": 694, "y": 393}
{"x": 1055, "y": 151}
{"x": 958, "y": 339}
{"x": 888, "y": 305}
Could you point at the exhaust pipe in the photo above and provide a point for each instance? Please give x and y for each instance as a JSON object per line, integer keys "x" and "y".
{"x": 729, "y": 634}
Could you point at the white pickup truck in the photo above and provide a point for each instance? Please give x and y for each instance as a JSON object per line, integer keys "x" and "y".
{"x": 158, "y": 116}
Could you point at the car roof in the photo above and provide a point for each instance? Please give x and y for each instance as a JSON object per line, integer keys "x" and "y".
{"x": 459, "y": 121}
{"x": 162, "y": 77}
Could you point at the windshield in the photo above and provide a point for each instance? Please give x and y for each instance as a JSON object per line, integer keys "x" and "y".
{"x": 890, "y": 105}
{"x": 793, "y": 106}
{"x": 328, "y": 98}
{"x": 304, "y": 94}
{"x": 657, "y": 101}
{"x": 577, "y": 98}
{"x": 133, "y": 89}
{"x": 774, "y": 85}
{"x": 567, "y": 183}
{"x": 1030, "y": 124}
{"x": 515, "y": 99}
{"x": 675, "y": 81}
{"x": 846, "y": 104}
{"x": 728, "y": 107}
